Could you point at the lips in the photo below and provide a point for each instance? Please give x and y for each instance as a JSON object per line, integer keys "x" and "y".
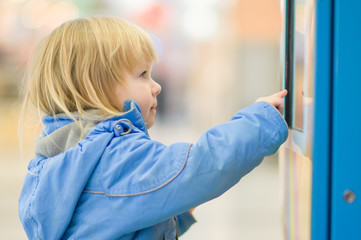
{"x": 154, "y": 106}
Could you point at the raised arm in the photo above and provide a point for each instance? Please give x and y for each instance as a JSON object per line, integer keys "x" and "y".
{"x": 168, "y": 181}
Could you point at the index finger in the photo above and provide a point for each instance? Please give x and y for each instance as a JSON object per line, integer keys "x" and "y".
{"x": 281, "y": 94}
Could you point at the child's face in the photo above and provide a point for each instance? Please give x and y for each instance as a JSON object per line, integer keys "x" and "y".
{"x": 141, "y": 88}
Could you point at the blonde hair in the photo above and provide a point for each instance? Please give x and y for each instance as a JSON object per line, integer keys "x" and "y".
{"x": 77, "y": 66}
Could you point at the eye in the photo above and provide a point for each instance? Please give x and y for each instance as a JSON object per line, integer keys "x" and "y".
{"x": 144, "y": 74}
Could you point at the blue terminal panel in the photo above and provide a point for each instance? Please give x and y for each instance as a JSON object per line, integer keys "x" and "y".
{"x": 336, "y": 129}
{"x": 346, "y": 126}
{"x": 321, "y": 179}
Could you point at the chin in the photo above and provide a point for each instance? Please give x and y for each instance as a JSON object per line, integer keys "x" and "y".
{"x": 149, "y": 124}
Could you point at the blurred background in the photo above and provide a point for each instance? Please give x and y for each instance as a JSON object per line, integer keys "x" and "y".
{"x": 217, "y": 57}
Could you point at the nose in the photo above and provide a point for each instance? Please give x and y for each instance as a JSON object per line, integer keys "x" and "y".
{"x": 156, "y": 88}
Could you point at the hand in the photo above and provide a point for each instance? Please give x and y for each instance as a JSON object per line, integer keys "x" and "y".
{"x": 275, "y": 100}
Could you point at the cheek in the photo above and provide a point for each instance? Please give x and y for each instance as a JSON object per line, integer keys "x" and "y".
{"x": 119, "y": 98}
{"x": 143, "y": 109}
{"x": 142, "y": 99}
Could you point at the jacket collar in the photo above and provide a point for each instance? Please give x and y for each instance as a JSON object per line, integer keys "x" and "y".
{"x": 131, "y": 112}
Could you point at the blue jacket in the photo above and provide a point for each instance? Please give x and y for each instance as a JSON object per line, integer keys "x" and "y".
{"x": 117, "y": 183}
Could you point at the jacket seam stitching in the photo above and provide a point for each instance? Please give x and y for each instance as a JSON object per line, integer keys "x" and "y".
{"x": 148, "y": 191}
{"x": 32, "y": 198}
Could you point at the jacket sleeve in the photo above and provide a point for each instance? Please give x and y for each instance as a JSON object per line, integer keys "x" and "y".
{"x": 155, "y": 182}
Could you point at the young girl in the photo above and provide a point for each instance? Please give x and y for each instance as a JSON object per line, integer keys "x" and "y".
{"x": 97, "y": 174}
